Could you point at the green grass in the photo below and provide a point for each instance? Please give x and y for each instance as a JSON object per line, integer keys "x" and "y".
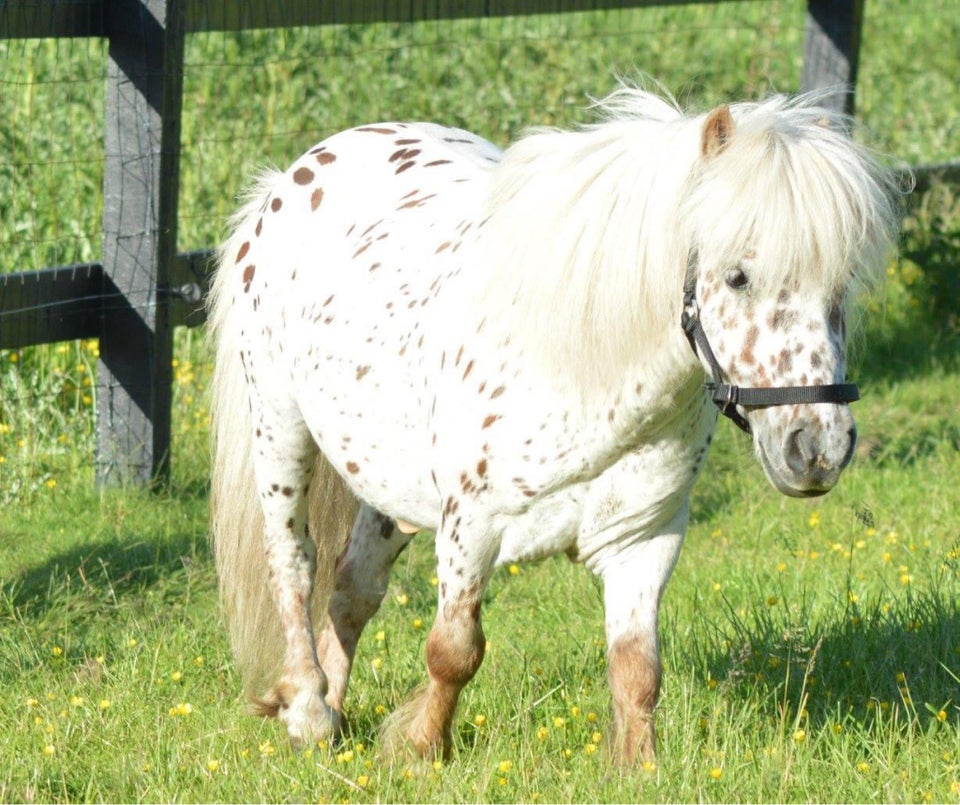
{"x": 810, "y": 648}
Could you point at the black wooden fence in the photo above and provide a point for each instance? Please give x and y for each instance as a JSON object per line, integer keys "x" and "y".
{"x": 143, "y": 288}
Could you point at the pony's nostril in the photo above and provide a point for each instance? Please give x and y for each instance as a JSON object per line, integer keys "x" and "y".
{"x": 799, "y": 451}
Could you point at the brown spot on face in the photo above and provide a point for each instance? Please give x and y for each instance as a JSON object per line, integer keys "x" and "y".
{"x": 352, "y": 467}
{"x": 325, "y": 158}
{"x": 290, "y": 524}
{"x": 243, "y": 251}
{"x": 287, "y": 491}
{"x": 405, "y": 166}
{"x": 747, "y": 356}
{"x": 315, "y": 198}
{"x": 784, "y": 362}
{"x": 482, "y": 467}
{"x": 276, "y": 204}
{"x": 303, "y": 176}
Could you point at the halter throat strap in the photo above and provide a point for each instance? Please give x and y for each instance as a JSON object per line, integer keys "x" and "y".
{"x": 727, "y": 396}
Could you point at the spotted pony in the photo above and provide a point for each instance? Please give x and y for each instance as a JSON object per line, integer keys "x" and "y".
{"x": 415, "y": 331}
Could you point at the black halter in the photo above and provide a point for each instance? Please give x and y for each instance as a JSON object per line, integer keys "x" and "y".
{"x": 727, "y": 397}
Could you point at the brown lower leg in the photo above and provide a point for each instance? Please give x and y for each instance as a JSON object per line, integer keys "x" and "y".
{"x": 634, "y": 677}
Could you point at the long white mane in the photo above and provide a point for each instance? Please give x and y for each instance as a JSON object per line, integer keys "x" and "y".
{"x": 589, "y": 231}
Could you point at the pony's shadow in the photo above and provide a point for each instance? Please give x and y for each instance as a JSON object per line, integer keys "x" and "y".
{"x": 114, "y": 569}
{"x": 859, "y": 668}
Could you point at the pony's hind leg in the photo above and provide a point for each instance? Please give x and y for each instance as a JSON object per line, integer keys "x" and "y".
{"x": 360, "y": 584}
{"x": 284, "y": 457}
{"x": 633, "y": 583}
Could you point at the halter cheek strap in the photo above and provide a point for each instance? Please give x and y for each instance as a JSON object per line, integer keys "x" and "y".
{"x": 726, "y": 396}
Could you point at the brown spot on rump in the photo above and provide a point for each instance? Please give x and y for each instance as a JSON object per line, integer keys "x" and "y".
{"x": 376, "y": 129}
{"x": 248, "y": 273}
{"x": 352, "y": 467}
{"x": 442, "y": 246}
{"x": 497, "y": 392}
{"x": 816, "y": 360}
{"x": 259, "y": 228}
{"x": 403, "y": 154}
{"x": 276, "y": 204}
{"x": 482, "y": 467}
{"x": 467, "y": 370}
{"x": 717, "y": 130}
{"x": 436, "y": 163}
{"x": 325, "y": 158}
{"x": 370, "y": 228}
{"x": 243, "y": 251}
{"x": 303, "y": 176}
{"x": 362, "y": 249}
{"x": 287, "y": 491}
{"x": 315, "y": 198}
{"x": 416, "y": 202}
{"x": 362, "y": 371}
{"x": 466, "y": 484}
{"x": 490, "y": 419}
{"x": 405, "y": 166}
{"x": 406, "y": 142}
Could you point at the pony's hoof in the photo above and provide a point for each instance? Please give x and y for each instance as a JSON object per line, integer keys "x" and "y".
{"x": 306, "y": 716}
{"x": 402, "y": 740}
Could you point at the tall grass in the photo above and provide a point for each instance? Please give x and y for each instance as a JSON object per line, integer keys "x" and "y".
{"x": 810, "y": 649}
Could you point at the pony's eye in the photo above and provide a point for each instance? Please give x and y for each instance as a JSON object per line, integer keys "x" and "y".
{"x": 736, "y": 279}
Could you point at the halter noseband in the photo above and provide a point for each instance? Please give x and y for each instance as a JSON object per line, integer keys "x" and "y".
{"x": 726, "y": 396}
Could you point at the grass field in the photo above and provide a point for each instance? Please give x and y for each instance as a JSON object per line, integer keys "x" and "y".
{"x": 811, "y": 649}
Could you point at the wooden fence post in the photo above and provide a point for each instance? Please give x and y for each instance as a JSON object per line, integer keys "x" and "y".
{"x": 141, "y": 182}
{"x": 831, "y": 49}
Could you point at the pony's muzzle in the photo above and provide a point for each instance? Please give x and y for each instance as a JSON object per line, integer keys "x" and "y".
{"x": 811, "y": 454}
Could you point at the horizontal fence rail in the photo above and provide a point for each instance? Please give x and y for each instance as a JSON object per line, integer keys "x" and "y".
{"x": 141, "y": 175}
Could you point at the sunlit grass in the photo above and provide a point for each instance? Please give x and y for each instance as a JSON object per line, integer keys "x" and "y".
{"x": 810, "y": 648}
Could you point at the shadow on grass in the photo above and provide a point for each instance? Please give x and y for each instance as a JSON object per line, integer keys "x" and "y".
{"x": 864, "y": 666}
{"x": 103, "y": 572}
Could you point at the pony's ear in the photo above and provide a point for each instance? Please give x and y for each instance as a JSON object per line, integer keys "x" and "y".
{"x": 717, "y": 130}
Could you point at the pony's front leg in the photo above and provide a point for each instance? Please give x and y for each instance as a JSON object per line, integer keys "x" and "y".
{"x": 634, "y": 580}
{"x": 284, "y": 464}
{"x": 362, "y": 576}
{"x": 455, "y": 645}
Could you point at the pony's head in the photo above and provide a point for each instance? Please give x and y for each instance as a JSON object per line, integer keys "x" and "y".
{"x": 787, "y": 218}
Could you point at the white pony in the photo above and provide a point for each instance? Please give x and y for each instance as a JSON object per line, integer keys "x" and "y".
{"x": 416, "y": 329}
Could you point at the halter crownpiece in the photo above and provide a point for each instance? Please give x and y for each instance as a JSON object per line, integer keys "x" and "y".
{"x": 727, "y": 396}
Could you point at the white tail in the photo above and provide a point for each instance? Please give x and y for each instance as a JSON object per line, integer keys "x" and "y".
{"x": 251, "y": 618}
